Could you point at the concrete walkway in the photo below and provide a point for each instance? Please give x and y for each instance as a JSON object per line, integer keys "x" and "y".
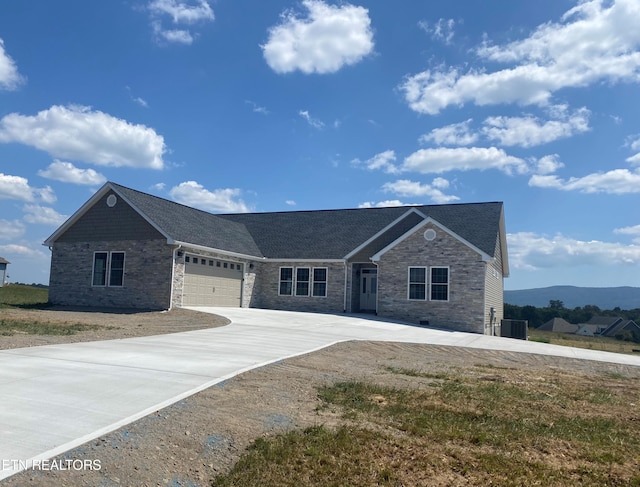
{"x": 56, "y": 397}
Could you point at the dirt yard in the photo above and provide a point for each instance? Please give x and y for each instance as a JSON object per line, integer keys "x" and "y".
{"x": 190, "y": 442}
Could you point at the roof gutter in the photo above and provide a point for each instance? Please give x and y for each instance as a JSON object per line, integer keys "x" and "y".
{"x": 238, "y": 255}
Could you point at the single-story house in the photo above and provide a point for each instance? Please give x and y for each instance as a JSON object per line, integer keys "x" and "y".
{"x": 559, "y": 325}
{"x": 3, "y": 271}
{"x": 437, "y": 265}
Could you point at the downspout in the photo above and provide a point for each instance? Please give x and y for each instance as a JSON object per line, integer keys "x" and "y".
{"x": 375, "y": 263}
{"x": 173, "y": 274}
{"x": 346, "y": 275}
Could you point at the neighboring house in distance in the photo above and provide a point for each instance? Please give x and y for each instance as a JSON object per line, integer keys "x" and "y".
{"x": 608, "y": 326}
{"x": 3, "y": 271}
{"x": 438, "y": 265}
{"x": 620, "y": 325}
{"x": 559, "y": 325}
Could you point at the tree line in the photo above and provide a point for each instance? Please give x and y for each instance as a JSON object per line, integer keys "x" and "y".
{"x": 538, "y": 316}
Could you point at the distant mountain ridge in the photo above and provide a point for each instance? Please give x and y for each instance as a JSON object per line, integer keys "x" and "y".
{"x": 625, "y": 297}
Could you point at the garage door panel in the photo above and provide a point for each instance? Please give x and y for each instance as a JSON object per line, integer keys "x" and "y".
{"x": 213, "y": 283}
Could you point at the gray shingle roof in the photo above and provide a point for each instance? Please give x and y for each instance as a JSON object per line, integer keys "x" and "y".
{"x": 185, "y": 224}
{"x": 322, "y": 234}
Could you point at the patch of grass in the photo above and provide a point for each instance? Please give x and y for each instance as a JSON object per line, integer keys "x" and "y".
{"x": 605, "y": 344}
{"x": 470, "y": 430}
{"x": 314, "y": 456}
{"x": 414, "y": 373}
{"x": 13, "y": 327}
{"x": 22, "y": 296}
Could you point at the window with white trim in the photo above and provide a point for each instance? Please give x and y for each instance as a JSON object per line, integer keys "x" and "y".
{"x": 303, "y": 281}
{"x": 303, "y": 278}
{"x": 439, "y": 284}
{"x": 108, "y": 269}
{"x": 285, "y": 288}
{"x": 417, "y": 288}
{"x": 319, "y": 282}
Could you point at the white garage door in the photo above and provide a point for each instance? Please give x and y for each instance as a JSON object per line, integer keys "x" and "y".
{"x": 211, "y": 282}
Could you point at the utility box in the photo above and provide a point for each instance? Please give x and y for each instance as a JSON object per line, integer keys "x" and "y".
{"x": 3, "y": 271}
{"x": 514, "y": 329}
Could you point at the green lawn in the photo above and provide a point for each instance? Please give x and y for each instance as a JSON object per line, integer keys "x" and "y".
{"x": 19, "y": 295}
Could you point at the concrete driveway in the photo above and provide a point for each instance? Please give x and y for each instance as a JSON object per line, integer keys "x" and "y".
{"x": 54, "y": 398}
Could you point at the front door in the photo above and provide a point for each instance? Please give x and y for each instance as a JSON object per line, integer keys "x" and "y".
{"x": 368, "y": 289}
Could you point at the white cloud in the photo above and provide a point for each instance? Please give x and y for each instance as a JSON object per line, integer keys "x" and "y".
{"x": 81, "y": 134}
{"x": 194, "y": 194}
{"x": 442, "y": 30}
{"x": 617, "y": 181}
{"x": 384, "y": 204}
{"x": 443, "y": 159}
{"x": 158, "y": 187}
{"x": 17, "y": 249}
{"x": 257, "y": 108}
{"x": 405, "y": 187}
{"x": 11, "y": 229}
{"x": 634, "y": 160}
{"x": 10, "y": 79}
{"x": 383, "y": 160}
{"x": 634, "y": 231}
{"x": 314, "y": 122}
{"x": 329, "y": 38}
{"x": 17, "y": 188}
{"x": 68, "y": 173}
{"x": 633, "y": 142}
{"x": 531, "y": 251}
{"x": 290, "y": 203}
{"x": 181, "y": 12}
{"x": 595, "y": 41}
{"x": 43, "y": 215}
{"x": 140, "y": 101}
{"x": 530, "y": 131}
{"x": 177, "y": 36}
{"x": 454, "y": 134}
{"x": 548, "y": 164}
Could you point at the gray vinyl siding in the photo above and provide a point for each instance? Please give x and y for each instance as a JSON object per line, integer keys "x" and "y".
{"x": 494, "y": 291}
{"x": 392, "y": 234}
{"x": 102, "y": 223}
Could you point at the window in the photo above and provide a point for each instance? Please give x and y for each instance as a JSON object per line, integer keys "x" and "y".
{"x": 211, "y": 263}
{"x": 286, "y": 281}
{"x": 302, "y": 281}
{"x": 319, "y": 282}
{"x": 440, "y": 284}
{"x": 108, "y": 269}
{"x": 203, "y": 261}
{"x": 116, "y": 273}
{"x": 418, "y": 283}
{"x": 186, "y": 258}
{"x": 100, "y": 268}
{"x": 233, "y": 266}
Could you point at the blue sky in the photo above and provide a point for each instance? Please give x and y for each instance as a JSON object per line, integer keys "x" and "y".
{"x": 229, "y": 106}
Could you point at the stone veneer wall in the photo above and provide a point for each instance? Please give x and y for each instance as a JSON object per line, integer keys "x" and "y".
{"x": 465, "y": 309}
{"x": 267, "y": 278}
{"x": 147, "y": 275}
